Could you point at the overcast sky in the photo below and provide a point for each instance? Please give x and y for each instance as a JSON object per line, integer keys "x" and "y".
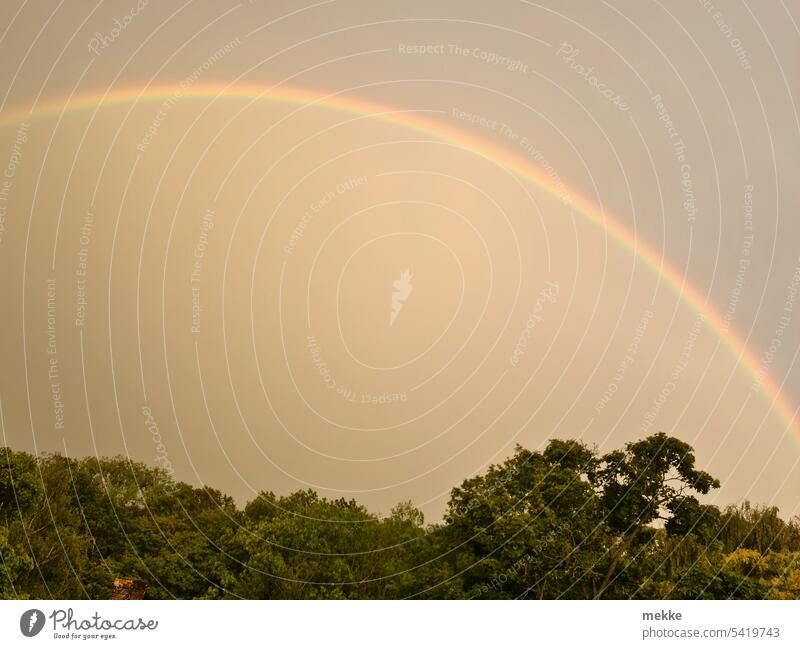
{"x": 371, "y": 294}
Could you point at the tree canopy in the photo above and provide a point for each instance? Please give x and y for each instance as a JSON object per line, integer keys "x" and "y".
{"x": 563, "y": 522}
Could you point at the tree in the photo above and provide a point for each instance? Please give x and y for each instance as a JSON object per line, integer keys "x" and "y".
{"x": 758, "y": 528}
{"x": 654, "y": 479}
{"x": 775, "y": 574}
{"x": 20, "y": 484}
{"x": 304, "y": 546}
{"x": 14, "y": 562}
{"x": 562, "y": 522}
{"x": 145, "y": 525}
{"x": 529, "y": 527}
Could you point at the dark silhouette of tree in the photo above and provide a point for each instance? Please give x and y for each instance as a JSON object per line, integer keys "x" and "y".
{"x": 566, "y": 521}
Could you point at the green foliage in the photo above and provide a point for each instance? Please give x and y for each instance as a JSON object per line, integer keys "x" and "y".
{"x": 651, "y": 480}
{"x": 14, "y": 562}
{"x": 530, "y": 527}
{"x": 20, "y": 484}
{"x": 758, "y": 528}
{"x": 563, "y": 522}
{"x": 648, "y": 480}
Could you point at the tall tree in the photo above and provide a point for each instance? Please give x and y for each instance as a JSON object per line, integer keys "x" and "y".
{"x": 654, "y": 479}
{"x": 529, "y": 527}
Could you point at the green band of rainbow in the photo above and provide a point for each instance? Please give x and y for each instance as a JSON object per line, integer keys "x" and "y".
{"x": 673, "y": 277}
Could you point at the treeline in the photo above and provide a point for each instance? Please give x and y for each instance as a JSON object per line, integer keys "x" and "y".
{"x": 565, "y": 522}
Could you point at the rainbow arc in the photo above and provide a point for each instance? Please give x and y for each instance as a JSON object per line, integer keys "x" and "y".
{"x": 523, "y": 167}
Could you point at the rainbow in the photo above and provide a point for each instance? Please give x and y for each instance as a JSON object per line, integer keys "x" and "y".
{"x": 500, "y": 156}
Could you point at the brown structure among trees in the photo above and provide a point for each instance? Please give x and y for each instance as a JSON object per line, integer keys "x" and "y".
{"x": 129, "y": 589}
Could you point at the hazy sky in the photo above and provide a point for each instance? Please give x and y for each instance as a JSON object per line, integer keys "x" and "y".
{"x": 262, "y": 293}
